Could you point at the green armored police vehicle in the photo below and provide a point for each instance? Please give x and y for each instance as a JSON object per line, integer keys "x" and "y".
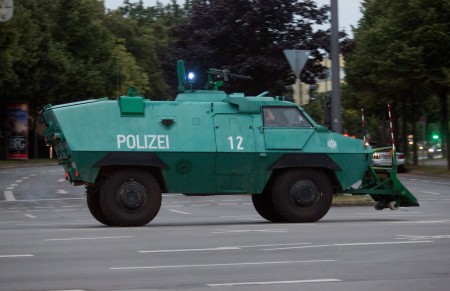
{"x": 206, "y": 142}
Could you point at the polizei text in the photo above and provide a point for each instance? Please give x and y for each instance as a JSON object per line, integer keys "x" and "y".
{"x": 147, "y": 141}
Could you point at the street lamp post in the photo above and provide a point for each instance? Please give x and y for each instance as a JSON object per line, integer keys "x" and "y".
{"x": 335, "y": 77}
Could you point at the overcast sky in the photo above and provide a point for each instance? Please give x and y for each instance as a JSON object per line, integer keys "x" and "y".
{"x": 349, "y": 10}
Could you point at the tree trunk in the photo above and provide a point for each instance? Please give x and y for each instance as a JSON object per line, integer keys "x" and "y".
{"x": 404, "y": 128}
{"x": 414, "y": 129}
{"x": 443, "y": 99}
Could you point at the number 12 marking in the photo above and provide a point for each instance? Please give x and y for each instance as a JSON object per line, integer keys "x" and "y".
{"x": 239, "y": 140}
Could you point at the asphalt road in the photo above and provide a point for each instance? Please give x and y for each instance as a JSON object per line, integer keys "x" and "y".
{"x": 49, "y": 241}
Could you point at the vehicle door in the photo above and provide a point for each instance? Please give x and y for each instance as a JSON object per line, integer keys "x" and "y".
{"x": 235, "y": 156}
{"x": 285, "y": 128}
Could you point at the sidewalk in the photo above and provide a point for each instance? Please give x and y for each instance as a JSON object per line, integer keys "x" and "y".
{"x": 8, "y": 164}
{"x": 434, "y": 162}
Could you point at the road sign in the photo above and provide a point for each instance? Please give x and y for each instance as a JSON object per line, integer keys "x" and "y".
{"x": 6, "y": 10}
{"x": 297, "y": 60}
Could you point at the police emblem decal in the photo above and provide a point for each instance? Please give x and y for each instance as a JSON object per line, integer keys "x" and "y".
{"x": 332, "y": 144}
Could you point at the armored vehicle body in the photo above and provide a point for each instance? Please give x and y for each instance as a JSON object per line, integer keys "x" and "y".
{"x": 129, "y": 151}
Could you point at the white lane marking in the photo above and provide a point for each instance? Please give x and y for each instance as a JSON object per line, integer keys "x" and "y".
{"x": 180, "y": 212}
{"x": 397, "y": 213}
{"x": 221, "y": 248}
{"x": 11, "y": 221}
{"x": 32, "y": 175}
{"x": 24, "y": 178}
{"x": 59, "y": 191}
{"x": 61, "y": 180}
{"x": 16, "y": 256}
{"x": 422, "y": 237}
{"x": 432, "y": 193}
{"x": 350, "y": 244}
{"x": 251, "y": 230}
{"x": 273, "y": 282}
{"x": 29, "y": 215}
{"x": 9, "y": 195}
{"x": 87, "y": 238}
{"x": 46, "y": 199}
{"x": 421, "y": 221}
{"x": 383, "y": 243}
{"x": 221, "y": 265}
{"x": 10, "y": 188}
{"x": 228, "y": 203}
{"x": 13, "y": 185}
{"x": 195, "y": 205}
{"x": 239, "y": 216}
{"x": 191, "y": 250}
{"x": 18, "y": 181}
{"x": 298, "y": 247}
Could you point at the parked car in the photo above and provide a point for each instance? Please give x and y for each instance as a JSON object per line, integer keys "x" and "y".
{"x": 382, "y": 157}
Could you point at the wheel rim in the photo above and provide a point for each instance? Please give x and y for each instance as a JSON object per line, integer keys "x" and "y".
{"x": 132, "y": 196}
{"x": 304, "y": 194}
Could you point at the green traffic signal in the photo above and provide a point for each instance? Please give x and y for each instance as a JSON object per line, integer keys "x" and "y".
{"x": 435, "y": 136}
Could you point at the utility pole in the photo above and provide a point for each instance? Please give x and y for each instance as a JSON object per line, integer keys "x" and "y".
{"x": 335, "y": 76}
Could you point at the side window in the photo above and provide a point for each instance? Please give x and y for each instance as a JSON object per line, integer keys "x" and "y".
{"x": 284, "y": 117}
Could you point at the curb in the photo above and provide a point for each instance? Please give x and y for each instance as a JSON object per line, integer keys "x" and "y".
{"x": 26, "y": 165}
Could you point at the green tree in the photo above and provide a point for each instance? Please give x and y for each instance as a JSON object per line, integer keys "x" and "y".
{"x": 145, "y": 33}
{"x": 401, "y": 57}
{"x": 56, "y": 51}
{"x": 248, "y": 38}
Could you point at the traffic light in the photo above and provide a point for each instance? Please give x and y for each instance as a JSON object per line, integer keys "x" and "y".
{"x": 302, "y": 93}
{"x": 307, "y": 93}
{"x": 435, "y": 136}
{"x": 294, "y": 89}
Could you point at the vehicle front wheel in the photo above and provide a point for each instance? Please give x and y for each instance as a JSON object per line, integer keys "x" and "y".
{"x": 303, "y": 195}
{"x": 93, "y": 203}
{"x": 130, "y": 197}
{"x": 264, "y": 206}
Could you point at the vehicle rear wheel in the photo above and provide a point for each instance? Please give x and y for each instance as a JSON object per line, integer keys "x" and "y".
{"x": 302, "y": 195}
{"x": 130, "y": 197}
{"x": 93, "y": 203}
{"x": 264, "y": 206}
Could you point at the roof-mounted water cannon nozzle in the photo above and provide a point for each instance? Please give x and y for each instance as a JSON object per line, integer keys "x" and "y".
{"x": 224, "y": 74}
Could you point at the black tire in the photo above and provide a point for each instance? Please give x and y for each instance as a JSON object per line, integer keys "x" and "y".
{"x": 264, "y": 206}
{"x": 130, "y": 197}
{"x": 302, "y": 195}
{"x": 93, "y": 203}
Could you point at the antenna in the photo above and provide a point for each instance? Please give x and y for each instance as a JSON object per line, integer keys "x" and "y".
{"x": 363, "y": 126}
{"x": 117, "y": 79}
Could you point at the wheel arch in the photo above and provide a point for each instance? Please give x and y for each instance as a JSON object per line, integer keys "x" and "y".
{"x": 145, "y": 161}
{"x": 312, "y": 161}
{"x": 328, "y": 172}
{"x": 155, "y": 172}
